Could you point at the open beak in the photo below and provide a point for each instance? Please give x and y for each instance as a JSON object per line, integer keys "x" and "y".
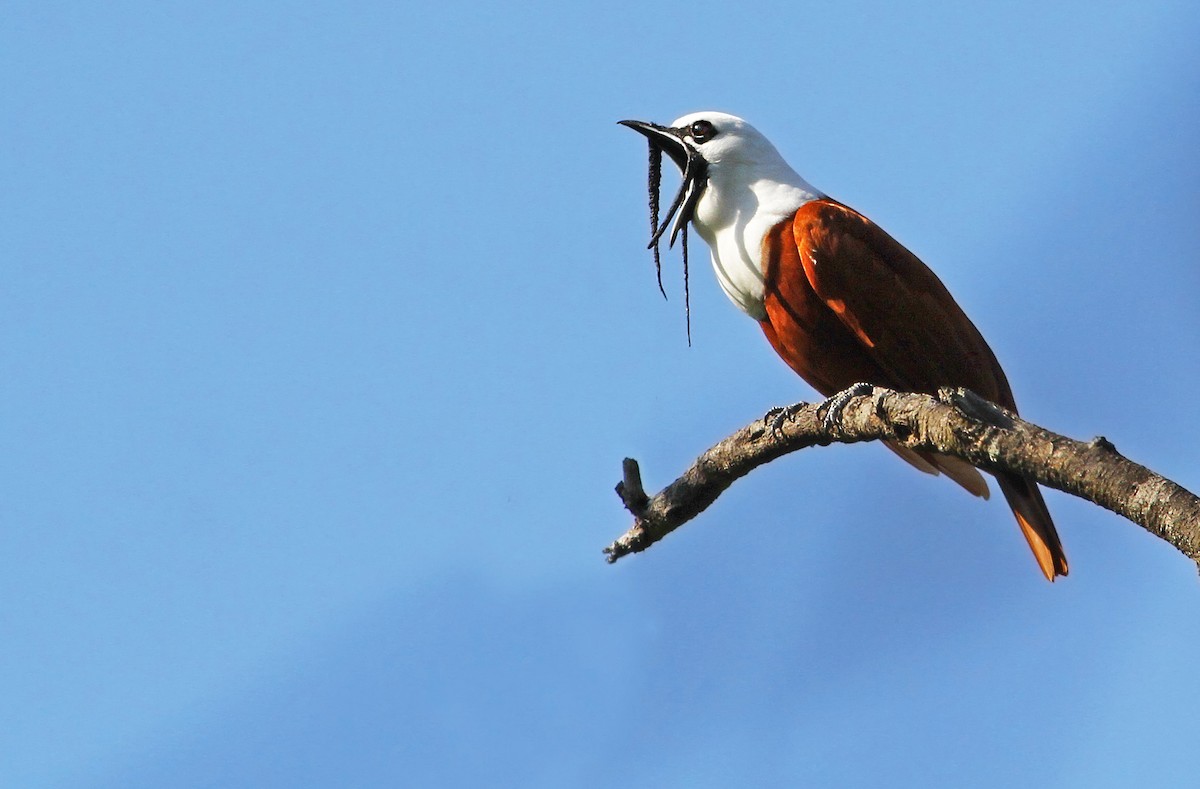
{"x": 690, "y": 163}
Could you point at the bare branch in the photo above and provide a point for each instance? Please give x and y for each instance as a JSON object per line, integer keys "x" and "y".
{"x": 957, "y": 422}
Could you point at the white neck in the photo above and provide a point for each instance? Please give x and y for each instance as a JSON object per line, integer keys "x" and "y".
{"x": 742, "y": 202}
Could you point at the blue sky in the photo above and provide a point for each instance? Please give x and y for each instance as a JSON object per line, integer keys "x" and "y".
{"x": 326, "y": 327}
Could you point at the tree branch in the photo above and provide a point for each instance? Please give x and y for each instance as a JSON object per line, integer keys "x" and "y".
{"x": 957, "y": 422}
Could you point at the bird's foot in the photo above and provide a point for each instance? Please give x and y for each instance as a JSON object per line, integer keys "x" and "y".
{"x": 777, "y": 417}
{"x": 830, "y": 411}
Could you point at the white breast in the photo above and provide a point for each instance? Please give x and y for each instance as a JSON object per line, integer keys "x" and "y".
{"x": 734, "y": 218}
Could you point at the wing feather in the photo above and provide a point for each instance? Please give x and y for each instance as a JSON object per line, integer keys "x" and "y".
{"x": 846, "y": 302}
{"x": 907, "y": 321}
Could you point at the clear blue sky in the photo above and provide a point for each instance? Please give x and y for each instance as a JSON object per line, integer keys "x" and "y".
{"x": 326, "y": 327}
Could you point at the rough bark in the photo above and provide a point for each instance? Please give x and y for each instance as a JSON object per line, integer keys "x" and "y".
{"x": 957, "y": 422}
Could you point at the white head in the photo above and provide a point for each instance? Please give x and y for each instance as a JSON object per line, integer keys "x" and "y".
{"x": 735, "y": 188}
{"x": 728, "y": 141}
{"x": 728, "y": 165}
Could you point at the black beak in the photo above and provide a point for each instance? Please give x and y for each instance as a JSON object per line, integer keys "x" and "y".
{"x": 690, "y": 163}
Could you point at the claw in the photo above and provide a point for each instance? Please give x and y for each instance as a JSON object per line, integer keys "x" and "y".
{"x": 777, "y": 417}
{"x": 770, "y": 416}
{"x": 830, "y": 411}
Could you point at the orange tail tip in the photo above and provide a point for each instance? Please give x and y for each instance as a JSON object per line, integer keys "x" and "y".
{"x": 1034, "y": 519}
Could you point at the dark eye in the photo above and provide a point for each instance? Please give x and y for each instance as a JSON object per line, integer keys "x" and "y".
{"x": 702, "y": 131}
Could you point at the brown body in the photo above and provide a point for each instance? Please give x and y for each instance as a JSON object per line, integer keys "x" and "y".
{"x": 846, "y": 303}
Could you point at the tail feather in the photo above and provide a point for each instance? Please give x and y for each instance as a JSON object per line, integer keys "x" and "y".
{"x": 958, "y": 470}
{"x": 963, "y": 473}
{"x": 913, "y": 458}
{"x": 1034, "y": 519}
{"x": 1022, "y": 496}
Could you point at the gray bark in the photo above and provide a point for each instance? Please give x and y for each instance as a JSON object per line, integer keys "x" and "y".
{"x": 957, "y": 422}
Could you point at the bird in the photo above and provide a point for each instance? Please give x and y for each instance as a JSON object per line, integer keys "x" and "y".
{"x": 840, "y": 300}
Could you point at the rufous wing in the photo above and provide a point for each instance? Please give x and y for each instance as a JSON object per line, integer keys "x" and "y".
{"x": 867, "y": 309}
